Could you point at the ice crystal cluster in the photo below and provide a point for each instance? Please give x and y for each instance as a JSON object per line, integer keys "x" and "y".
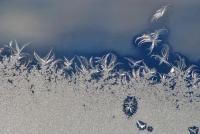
{"x": 86, "y": 95}
{"x": 181, "y": 85}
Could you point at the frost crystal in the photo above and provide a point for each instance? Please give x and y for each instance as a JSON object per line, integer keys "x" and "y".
{"x": 130, "y": 106}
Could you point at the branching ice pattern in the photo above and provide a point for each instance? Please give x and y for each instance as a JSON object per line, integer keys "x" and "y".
{"x": 181, "y": 84}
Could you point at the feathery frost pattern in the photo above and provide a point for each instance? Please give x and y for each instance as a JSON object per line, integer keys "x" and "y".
{"x": 181, "y": 85}
{"x": 159, "y": 13}
{"x": 152, "y": 38}
{"x": 163, "y": 58}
